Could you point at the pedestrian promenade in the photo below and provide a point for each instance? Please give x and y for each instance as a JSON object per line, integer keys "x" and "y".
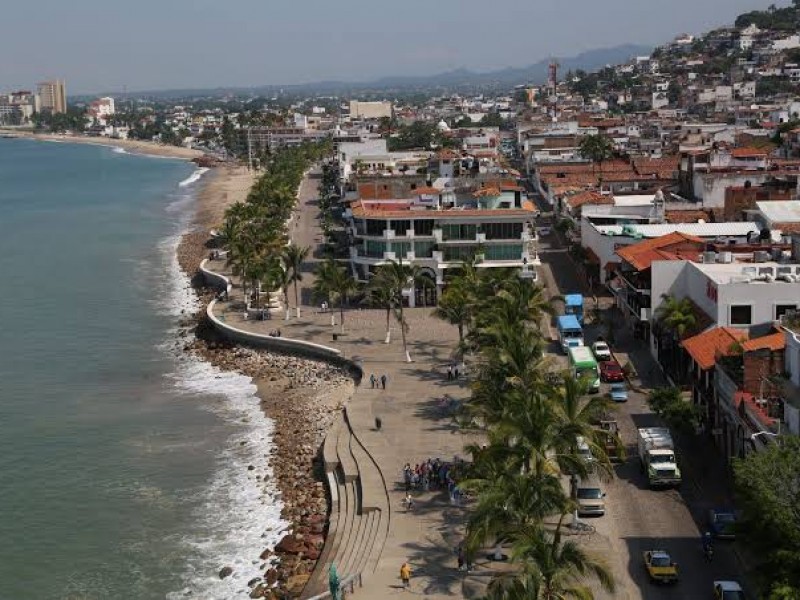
{"x": 414, "y": 424}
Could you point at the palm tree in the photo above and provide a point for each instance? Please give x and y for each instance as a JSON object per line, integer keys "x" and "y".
{"x": 293, "y": 257}
{"x": 380, "y": 294}
{"x": 559, "y": 566}
{"x": 510, "y": 504}
{"x": 454, "y": 308}
{"x": 398, "y": 276}
{"x": 597, "y": 148}
{"x": 334, "y": 282}
{"x": 678, "y": 316}
{"x": 270, "y": 271}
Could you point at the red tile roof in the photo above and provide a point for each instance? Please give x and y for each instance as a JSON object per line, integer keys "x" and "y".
{"x": 427, "y": 191}
{"x": 773, "y": 341}
{"x": 707, "y": 346}
{"x": 589, "y": 197}
{"x": 399, "y": 210}
{"x": 642, "y": 254}
{"x": 748, "y": 152}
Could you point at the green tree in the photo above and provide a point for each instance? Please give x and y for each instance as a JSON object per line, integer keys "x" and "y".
{"x": 768, "y": 492}
{"x": 677, "y": 316}
{"x": 669, "y": 404}
{"x": 334, "y": 283}
{"x": 293, "y": 257}
{"x": 597, "y": 148}
{"x": 398, "y": 277}
{"x": 380, "y": 294}
{"x": 453, "y": 308}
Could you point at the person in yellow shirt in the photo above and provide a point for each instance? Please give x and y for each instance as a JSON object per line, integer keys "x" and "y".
{"x": 405, "y": 574}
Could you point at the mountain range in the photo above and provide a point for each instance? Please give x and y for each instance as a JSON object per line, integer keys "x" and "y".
{"x": 458, "y": 79}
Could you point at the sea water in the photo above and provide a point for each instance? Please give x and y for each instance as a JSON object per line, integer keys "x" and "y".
{"x": 123, "y": 462}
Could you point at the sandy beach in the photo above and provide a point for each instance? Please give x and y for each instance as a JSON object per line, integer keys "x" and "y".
{"x": 132, "y": 146}
{"x": 220, "y": 188}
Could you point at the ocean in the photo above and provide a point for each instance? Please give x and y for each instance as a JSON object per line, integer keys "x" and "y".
{"x": 123, "y": 462}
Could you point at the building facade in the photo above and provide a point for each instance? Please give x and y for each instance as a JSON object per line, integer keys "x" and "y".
{"x": 53, "y": 96}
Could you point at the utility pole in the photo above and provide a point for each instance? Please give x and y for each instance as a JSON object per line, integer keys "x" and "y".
{"x": 249, "y": 149}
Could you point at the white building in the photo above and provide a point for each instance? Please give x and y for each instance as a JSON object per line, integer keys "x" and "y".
{"x": 370, "y": 110}
{"x": 733, "y": 294}
{"x": 605, "y": 240}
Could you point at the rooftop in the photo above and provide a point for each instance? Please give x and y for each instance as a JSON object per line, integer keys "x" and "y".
{"x": 404, "y": 209}
{"x": 640, "y": 256}
{"x": 773, "y": 341}
{"x": 752, "y": 273}
{"x": 780, "y": 211}
{"x": 737, "y": 229}
{"x": 707, "y": 346}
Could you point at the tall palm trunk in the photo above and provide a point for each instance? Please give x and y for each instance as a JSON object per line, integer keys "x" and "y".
{"x": 403, "y": 330}
{"x": 296, "y": 300}
{"x": 388, "y": 329}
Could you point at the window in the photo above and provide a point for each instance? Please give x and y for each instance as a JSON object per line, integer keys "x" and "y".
{"x": 741, "y": 314}
{"x": 423, "y": 226}
{"x": 400, "y": 227}
{"x": 502, "y": 231}
{"x": 375, "y": 227}
{"x": 400, "y": 248}
{"x": 782, "y": 309}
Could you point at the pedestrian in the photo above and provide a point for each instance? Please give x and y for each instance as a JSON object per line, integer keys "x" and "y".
{"x": 405, "y": 575}
{"x": 372, "y": 380}
{"x": 461, "y": 557}
{"x": 455, "y": 372}
{"x": 449, "y": 372}
{"x": 408, "y": 502}
{"x": 383, "y": 381}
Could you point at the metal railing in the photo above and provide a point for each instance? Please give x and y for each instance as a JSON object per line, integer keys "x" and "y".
{"x": 346, "y": 586}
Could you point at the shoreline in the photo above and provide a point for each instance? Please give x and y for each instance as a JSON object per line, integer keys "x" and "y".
{"x": 132, "y": 146}
{"x": 300, "y": 396}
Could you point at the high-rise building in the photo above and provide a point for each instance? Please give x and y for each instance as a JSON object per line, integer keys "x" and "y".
{"x": 53, "y": 96}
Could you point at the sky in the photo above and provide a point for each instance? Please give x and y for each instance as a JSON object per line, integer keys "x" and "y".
{"x": 104, "y": 46}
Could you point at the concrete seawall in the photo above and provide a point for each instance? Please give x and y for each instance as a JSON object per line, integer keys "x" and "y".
{"x": 276, "y": 344}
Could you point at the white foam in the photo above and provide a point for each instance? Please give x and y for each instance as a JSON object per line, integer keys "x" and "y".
{"x": 119, "y": 150}
{"x": 239, "y": 516}
{"x": 193, "y": 177}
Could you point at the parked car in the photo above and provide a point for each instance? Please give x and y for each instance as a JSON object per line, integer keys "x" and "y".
{"x": 601, "y": 351}
{"x": 611, "y": 371}
{"x": 545, "y": 231}
{"x": 619, "y": 392}
{"x": 728, "y": 590}
{"x": 722, "y": 523}
{"x": 591, "y": 499}
{"x": 660, "y": 566}
{"x": 584, "y": 451}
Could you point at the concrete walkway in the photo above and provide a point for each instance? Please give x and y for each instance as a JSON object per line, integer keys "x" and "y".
{"x": 414, "y": 426}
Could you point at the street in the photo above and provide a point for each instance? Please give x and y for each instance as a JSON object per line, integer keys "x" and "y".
{"x": 638, "y": 518}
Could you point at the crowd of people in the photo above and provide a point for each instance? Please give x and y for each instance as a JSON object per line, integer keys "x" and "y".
{"x": 431, "y": 474}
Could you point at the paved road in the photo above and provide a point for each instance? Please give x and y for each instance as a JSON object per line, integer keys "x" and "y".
{"x": 638, "y": 518}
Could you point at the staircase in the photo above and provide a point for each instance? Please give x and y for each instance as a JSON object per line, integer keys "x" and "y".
{"x": 359, "y": 518}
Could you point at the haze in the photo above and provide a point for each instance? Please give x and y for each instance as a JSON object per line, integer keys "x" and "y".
{"x": 152, "y": 44}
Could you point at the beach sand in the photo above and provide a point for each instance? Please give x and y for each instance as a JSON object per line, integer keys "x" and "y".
{"x": 220, "y": 188}
{"x": 132, "y": 146}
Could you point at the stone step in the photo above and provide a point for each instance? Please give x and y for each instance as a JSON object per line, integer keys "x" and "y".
{"x": 346, "y": 461}
{"x": 329, "y": 455}
{"x": 370, "y": 535}
{"x": 355, "y": 545}
{"x": 347, "y": 527}
{"x": 318, "y": 582}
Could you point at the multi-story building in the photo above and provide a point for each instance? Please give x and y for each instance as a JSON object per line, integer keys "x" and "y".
{"x": 53, "y": 96}
{"x": 440, "y": 229}
{"x": 370, "y": 110}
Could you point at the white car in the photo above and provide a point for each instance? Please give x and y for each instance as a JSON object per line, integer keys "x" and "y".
{"x": 544, "y": 230}
{"x": 601, "y": 351}
{"x": 728, "y": 590}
